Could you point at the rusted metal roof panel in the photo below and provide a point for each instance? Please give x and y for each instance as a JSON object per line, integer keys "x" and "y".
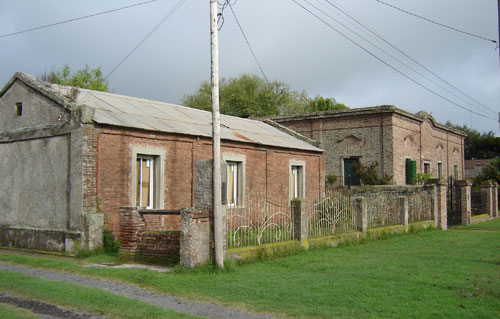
{"x": 125, "y": 111}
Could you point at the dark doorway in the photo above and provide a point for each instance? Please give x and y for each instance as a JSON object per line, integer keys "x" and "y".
{"x": 349, "y": 177}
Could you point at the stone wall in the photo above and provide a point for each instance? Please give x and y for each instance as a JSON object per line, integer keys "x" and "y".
{"x": 385, "y": 135}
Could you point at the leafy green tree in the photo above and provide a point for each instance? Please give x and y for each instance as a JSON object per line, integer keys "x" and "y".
{"x": 249, "y": 95}
{"x": 478, "y": 145}
{"x": 319, "y": 103}
{"x": 490, "y": 172}
{"x": 85, "y": 78}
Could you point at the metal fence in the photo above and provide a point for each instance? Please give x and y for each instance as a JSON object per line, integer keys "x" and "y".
{"x": 268, "y": 219}
{"x": 263, "y": 219}
{"x": 331, "y": 215}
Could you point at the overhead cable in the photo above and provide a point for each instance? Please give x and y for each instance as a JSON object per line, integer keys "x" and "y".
{"x": 416, "y": 62}
{"x": 150, "y": 33}
{"x": 437, "y": 23}
{"x": 387, "y": 64}
{"x": 76, "y": 19}
{"x": 248, "y": 43}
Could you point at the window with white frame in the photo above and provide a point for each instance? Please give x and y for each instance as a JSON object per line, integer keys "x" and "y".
{"x": 232, "y": 183}
{"x": 296, "y": 181}
{"x": 145, "y": 181}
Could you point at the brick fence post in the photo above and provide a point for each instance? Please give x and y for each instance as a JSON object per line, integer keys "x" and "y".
{"x": 403, "y": 210}
{"x": 465, "y": 201}
{"x": 360, "y": 211}
{"x": 131, "y": 222}
{"x": 300, "y": 219}
{"x": 441, "y": 205}
{"x": 490, "y": 199}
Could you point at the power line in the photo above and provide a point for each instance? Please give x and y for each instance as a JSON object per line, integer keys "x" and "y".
{"x": 76, "y": 19}
{"x": 387, "y": 64}
{"x": 437, "y": 23}
{"x": 416, "y": 62}
{"x": 246, "y": 39}
{"x": 150, "y": 33}
{"x": 389, "y": 54}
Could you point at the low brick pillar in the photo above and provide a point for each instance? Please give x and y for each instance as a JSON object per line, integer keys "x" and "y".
{"x": 403, "y": 210}
{"x": 300, "y": 219}
{"x": 440, "y": 200}
{"x": 197, "y": 237}
{"x": 131, "y": 222}
{"x": 465, "y": 201}
{"x": 360, "y": 211}
{"x": 489, "y": 199}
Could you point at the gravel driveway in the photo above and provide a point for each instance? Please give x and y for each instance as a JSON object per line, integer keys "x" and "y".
{"x": 170, "y": 302}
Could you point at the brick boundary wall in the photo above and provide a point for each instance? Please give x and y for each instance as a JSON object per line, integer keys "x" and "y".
{"x": 140, "y": 236}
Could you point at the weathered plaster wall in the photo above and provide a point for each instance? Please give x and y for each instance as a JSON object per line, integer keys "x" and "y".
{"x": 34, "y": 187}
{"x": 37, "y": 109}
{"x": 46, "y": 160}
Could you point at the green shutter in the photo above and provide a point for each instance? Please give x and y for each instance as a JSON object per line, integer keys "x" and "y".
{"x": 411, "y": 172}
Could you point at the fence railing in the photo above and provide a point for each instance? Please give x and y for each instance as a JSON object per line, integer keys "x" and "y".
{"x": 269, "y": 219}
{"x": 331, "y": 215}
{"x": 263, "y": 219}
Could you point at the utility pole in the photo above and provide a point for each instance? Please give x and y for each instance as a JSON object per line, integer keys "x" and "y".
{"x": 216, "y": 173}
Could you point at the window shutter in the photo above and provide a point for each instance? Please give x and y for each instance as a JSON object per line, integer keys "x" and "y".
{"x": 411, "y": 172}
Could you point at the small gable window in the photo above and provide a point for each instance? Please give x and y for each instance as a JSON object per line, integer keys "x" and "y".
{"x": 19, "y": 109}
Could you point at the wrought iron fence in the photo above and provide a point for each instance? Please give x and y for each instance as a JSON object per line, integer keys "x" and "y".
{"x": 477, "y": 198}
{"x": 263, "y": 219}
{"x": 331, "y": 215}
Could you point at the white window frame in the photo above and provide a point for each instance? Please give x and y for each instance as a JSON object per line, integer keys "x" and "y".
{"x": 239, "y": 179}
{"x": 158, "y": 156}
{"x": 150, "y": 163}
{"x": 300, "y": 179}
{"x": 439, "y": 169}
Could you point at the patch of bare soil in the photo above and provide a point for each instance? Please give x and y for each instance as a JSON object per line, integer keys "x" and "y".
{"x": 43, "y": 308}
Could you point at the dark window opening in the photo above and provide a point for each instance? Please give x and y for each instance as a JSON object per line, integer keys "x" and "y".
{"x": 19, "y": 109}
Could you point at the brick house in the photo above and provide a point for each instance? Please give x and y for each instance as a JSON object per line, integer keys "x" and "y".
{"x": 391, "y": 137}
{"x": 68, "y": 155}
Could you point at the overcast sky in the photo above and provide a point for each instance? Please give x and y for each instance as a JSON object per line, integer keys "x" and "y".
{"x": 291, "y": 45}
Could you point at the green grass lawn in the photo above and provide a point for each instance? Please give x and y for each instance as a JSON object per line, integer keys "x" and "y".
{"x": 79, "y": 298}
{"x": 430, "y": 274}
{"x": 11, "y": 312}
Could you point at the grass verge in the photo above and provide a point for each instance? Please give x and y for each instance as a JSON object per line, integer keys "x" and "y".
{"x": 7, "y": 311}
{"x": 430, "y": 274}
{"x": 81, "y": 298}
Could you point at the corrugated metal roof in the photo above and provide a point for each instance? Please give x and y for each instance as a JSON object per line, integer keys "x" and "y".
{"x": 120, "y": 110}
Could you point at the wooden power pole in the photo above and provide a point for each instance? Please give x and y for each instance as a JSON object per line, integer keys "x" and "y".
{"x": 216, "y": 169}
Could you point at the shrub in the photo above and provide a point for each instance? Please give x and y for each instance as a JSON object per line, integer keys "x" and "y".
{"x": 423, "y": 177}
{"x": 330, "y": 180}
{"x": 110, "y": 244}
{"x": 369, "y": 175}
